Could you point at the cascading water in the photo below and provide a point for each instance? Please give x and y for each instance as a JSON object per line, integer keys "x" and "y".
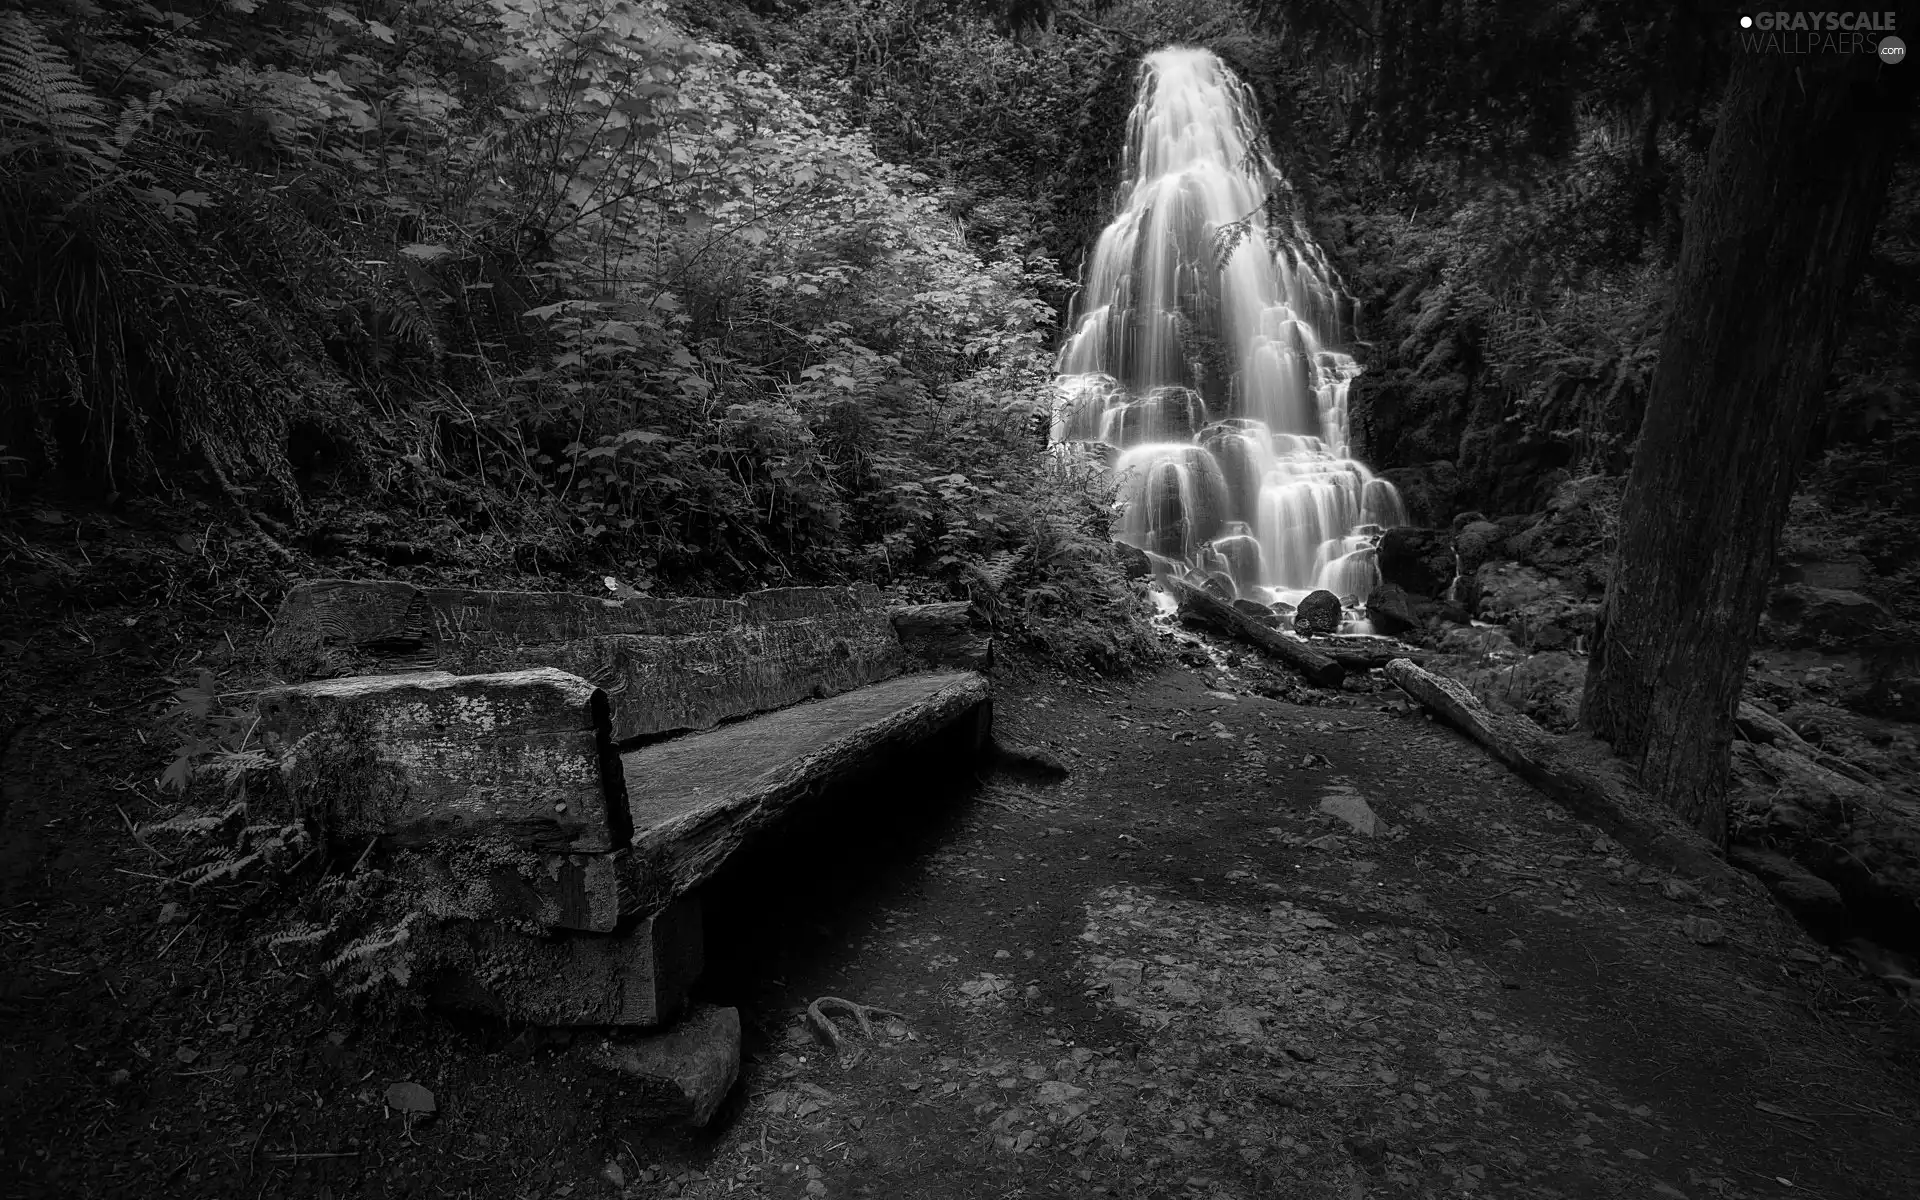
{"x": 1198, "y": 354}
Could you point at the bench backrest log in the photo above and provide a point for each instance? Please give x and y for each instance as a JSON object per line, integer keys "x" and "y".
{"x": 666, "y": 665}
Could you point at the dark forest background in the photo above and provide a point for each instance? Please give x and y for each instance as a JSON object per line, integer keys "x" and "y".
{"x": 717, "y": 295}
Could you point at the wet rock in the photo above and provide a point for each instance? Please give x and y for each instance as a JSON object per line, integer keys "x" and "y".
{"x": 1801, "y": 615}
{"x": 1539, "y": 611}
{"x": 1239, "y": 555}
{"x": 1569, "y": 539}
{"x": 1134, "y": 563}
{"x": 1479, "y": 542}
{"x": 1391, "y": 610}
{"x": 1319, "y": 612}
{"x": 1427, "y": 489}
{"x": 1418, "y": 560}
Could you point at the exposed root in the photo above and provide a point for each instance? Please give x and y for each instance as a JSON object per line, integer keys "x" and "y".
{"x": 828, "y": 1033}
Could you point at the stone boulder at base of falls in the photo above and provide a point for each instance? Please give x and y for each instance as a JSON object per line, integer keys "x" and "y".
{"x": 1802, "y": 615}
{"x": 1539, "y": 611}
{"x": 1418, "y": 560}
{"x": 1569, "y": 538}
{"x": 1478, "y": 543}
{"x": 1319, "y": 612}
{"x": 1391, "y": 610}
{"x": 1427, "y": 490}
{"x": 1134, "y": 563}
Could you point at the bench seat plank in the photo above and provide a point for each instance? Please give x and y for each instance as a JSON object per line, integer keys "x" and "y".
{"x": 695, "y": 799}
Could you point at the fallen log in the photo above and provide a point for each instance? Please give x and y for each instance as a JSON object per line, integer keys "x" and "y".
{"x": 1216, "y": 613}
{"x": 1576, "y": 771}
{"x": 1366, "y": 658}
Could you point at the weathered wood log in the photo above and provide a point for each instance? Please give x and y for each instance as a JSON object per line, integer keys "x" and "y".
{"x": 429, "y": 757}
{"x": 669, "y": 665}
{"x": 697, "y": 799}
{"x": 1218, "y": 614}
{"x": 1575, "y": 771}
{"x": 638, "y": 977}
{"x": 943, "y": 635}
{"x": 1367, "y": 658}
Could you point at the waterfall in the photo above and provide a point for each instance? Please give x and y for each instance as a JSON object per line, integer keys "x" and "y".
{"x": 1199, "y": 352}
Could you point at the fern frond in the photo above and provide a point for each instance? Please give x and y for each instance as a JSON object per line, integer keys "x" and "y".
{"x": 39, "y": 88}
{"x": 998, "y": 567}
{"x": 137, "y": 115}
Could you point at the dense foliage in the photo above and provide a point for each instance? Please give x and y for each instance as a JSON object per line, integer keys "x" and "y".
{"x": 564, "y": 280}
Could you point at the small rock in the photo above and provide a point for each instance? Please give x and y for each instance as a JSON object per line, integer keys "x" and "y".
{"x": 614, "y": 1173}
{"x": 408, "y": 1097}
{"x": 1680, "y": 890}
{"x": 1366, "y": 1148}
{"x": 682, "y": 1074}
{"x": 1054, "y": 1093}
{"x": 1353, "y": 810}
{"x": 1426, "y": 956}
{"x": 1704, "y": 930}
{"x": 1241, "y": 1022}
{"x": 1030, "y": 760}
{"x": 171, "y": 913}
{"x": 1124, "y": 976}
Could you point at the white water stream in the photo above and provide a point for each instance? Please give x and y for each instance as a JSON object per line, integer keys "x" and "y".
{"x": 1208, "y": 373}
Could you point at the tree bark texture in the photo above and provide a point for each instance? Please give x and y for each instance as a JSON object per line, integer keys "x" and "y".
{"x": 1774, "y": 241}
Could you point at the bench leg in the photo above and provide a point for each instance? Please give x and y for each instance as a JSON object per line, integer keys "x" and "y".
{"x": 982, "y": 727}
{"x": 638, "y": 978}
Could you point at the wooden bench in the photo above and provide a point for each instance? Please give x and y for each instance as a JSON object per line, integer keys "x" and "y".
{"x": 556, "y": 775}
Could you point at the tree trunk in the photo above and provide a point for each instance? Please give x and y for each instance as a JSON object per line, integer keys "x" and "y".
{"x": 1774, "y": 240}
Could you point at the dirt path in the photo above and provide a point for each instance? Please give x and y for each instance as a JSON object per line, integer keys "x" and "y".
{"x": 1170, "y": 975}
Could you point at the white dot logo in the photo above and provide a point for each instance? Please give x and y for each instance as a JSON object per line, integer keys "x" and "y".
{"x": 1746, "y": 22}
{"x": 1892, "y": 50}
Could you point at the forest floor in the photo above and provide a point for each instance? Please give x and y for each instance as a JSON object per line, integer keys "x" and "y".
{"x": 1181, "y": 972}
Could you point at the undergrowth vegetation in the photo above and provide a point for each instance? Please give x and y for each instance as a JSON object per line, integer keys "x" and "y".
{"x": 515, "y": 286}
